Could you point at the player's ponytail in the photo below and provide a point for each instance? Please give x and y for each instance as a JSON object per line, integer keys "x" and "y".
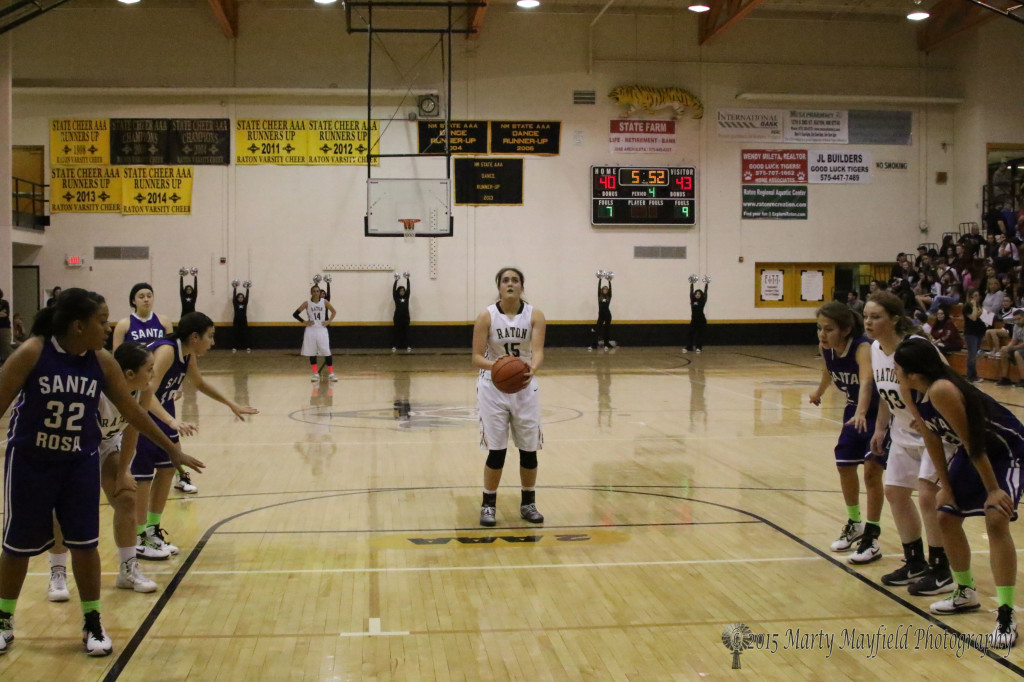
{"x": 189, "y": 324}
{"x": 72, "y": 305}
{"x": 918, "y": 356}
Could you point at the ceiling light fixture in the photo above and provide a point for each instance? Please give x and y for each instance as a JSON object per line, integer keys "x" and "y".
{"x": 698, "y": 7}
{"x": 919, "y": 13}
{"x": 128, "y": 2}
{"x": 325, "y": 2}
{"x": 528, "y": 4}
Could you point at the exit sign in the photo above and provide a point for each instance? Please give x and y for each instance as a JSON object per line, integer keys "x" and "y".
{"x": 73, "y": 261}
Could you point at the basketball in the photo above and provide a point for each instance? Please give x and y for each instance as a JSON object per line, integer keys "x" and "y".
{"x": 507, "y": 374}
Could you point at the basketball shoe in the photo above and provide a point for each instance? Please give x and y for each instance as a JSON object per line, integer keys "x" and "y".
{"x": 130, "y": 577}
{"x": 94, "y": 637}
{"x": 852, "y": 531}
{"x": 963, "y": 599}
{"x": 57, "y": 590}
{"x": 1005, "y": 634}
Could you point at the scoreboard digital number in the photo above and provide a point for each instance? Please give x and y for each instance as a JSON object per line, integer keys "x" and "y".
{"x": 643, "y": 195}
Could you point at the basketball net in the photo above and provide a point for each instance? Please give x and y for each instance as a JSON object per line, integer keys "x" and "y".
{"x": 409, "y": 229}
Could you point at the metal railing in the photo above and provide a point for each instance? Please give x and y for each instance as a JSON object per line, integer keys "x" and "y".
{"x": 29, "y": 205}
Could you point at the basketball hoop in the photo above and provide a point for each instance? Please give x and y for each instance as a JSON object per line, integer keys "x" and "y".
{"x": 409, "y": 229}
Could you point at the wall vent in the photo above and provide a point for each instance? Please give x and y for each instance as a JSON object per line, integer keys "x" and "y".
{"x": 584, "y": 97}
{"x": 659, "y": 252}
{"x": 120, "y": 253}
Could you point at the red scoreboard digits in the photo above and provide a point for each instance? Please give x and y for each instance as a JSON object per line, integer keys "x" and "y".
{"x": 643, "y": 195}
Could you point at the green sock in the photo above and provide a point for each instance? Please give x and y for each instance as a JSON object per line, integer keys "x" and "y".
{"x": 966, "y": 578}
{"x": 140, "y": 529}
{"x": 7, "y": 605}
{"x": 853, "y": 512}
{"x": 153, "y": 519}
{"x": 88, "y": 606}
{"x": 1005, "y": 595}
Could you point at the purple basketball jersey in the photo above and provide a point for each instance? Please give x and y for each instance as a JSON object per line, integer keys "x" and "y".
{"x": 144, "y": 331}
{"x": 57, "y": 409}
{"x": 171, "y": 380}
{"x": 846, "y": 374}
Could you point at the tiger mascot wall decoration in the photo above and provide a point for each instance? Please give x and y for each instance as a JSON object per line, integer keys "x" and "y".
{"x": 647, "y": 99}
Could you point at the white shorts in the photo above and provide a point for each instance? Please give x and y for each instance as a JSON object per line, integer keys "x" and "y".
{"x": 315, "y": 342}
{"x": 499, "y": 411}
{"x": 109, "y": 446}
{"x": 906, "y": 464}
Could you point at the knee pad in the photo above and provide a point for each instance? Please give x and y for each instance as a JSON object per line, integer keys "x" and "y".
{"x": 527, "y": 460}
{"x": 496, "y": 459}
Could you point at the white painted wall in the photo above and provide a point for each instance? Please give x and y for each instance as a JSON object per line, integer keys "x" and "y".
{"x": 278, "y": 225}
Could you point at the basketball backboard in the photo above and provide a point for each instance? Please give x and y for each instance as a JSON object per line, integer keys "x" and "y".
{"x": 393, "y": 204}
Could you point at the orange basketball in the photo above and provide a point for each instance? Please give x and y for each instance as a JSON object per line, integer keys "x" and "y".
{"x": 507, "y": 374}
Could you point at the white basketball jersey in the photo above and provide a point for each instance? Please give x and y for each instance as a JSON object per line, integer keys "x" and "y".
{"x": 111, "y": 421}
{"x": 509, "y": 336}
{"x": 317, "y": 312}
{"x": 883, "y": 368}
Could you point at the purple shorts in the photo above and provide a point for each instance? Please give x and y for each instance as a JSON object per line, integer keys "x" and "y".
{"x": 854, "y": 447}
{"x": 37, "y": 486}
{"x": 149, "y": 457}
{"x": 968, "y": 490}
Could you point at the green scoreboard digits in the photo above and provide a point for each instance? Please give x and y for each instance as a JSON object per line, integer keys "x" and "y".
{"x": 643, "y": 195}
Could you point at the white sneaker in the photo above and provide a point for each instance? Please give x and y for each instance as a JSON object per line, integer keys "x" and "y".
{"x": 6, "y": 632}
{"x": 394, "y": 349}
{"x": 697, "y": 351}
{"x": 234, "y": 350}
{"x": 684, "y": 351}
{"x": 94, "y": 637}
{"x": 183, "y": 482}
{"x": 248, "y": 350}
{"x": 1005, "y": 634}
{"x": 408, "y": 349}
{"x": 130, "y": 577}
{"x": 852, "y": 531}
{"x": 58, "y": 588}
{"x": 155, "y": 534}
{"x": 866, "y": 553}
{"x": 315, "y": 376}
{"x": 963, "y": 599}
{"x": 332, "y": 376}
{"x": 146, "y": 548}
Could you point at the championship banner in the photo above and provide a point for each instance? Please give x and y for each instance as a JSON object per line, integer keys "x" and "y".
{"x": 200, "y": 142}
{"x": 156, "y": 190}
{"x": 840, "y": 166}
{"x": 138, "y": 141}
{"x": 341, "y": 142}
{"x": 817, "y": 126}
{"x": 79, "y": 142}
{"x": 753, "y": 125}
{"x": 274, "y": 141}
{"x": 85, "y": 190}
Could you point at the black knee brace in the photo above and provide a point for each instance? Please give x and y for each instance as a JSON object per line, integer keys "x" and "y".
{"x": 496, "y": 459}
{"x": 527, "y": 460}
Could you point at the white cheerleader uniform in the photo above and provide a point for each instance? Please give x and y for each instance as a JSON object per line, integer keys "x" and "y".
{"x": 908, "y": 458}
{"x": 315, "y": 340}
{"x": 499, "y": 411}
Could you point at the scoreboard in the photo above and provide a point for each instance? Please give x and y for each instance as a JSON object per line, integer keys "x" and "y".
{"x": 643, "y": 195}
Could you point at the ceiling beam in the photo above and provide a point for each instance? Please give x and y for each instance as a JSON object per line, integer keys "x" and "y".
{"x": 723, "y": 14}
{"x": 476, "y": 20}
{"x": 226, "y": 12}
{"x": 949, "y": 18}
